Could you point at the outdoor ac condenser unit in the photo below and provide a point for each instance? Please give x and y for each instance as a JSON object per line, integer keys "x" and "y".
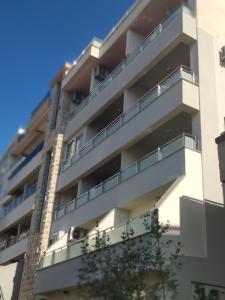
{"x": 77, "y": 97}
{"x": 76, "y": 233}
{"x": 101, "y": 72}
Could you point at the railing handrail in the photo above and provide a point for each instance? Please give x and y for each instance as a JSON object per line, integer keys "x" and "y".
{"x": 132, "y": 164}
{"x": 111, "y": 228}
{"x": 26, "y": 160}
{"x": 154, "y": 88}
{"x": 87, "y": 99}
{"x": 17, "y": 239}
{"x": 151, "y": 91}
{"x": 137, "y": 161}
{"x": 26, "y": 194}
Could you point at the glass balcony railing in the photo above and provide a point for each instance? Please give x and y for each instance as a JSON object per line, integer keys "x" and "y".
{"x": 12, "y": 240}
{"x": 75, "y": 249}
{"x": 137, "y": 167}
{"x": 147, "y": 42}
{"x": 17, "y": 201}
{"x": 144, "y": 102}
{"x": 26, "y": 160}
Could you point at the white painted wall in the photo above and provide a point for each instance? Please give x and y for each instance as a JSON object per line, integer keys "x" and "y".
{"x": 9, "y": 280}
{"x": 189, "y": 185}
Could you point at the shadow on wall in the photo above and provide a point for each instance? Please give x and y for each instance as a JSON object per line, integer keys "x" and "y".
{"x": 202, "y": 225}
{"x": 1, "y": 295}
{"x": 17, "y": 280}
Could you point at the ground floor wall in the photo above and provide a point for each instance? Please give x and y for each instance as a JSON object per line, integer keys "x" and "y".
{"x": 10, "y": 278}
{"x": 207, "y": 269}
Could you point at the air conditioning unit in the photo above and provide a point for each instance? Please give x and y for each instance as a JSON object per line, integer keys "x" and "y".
{"x": 101, "y": 72}
{"x": 213, "y": 294}
{"x": 78, "y": 97}
{"x": 222, "y": 56}
{"x": 154, "y": 216}
{"x": 210, "y": 292}
{"x": 76, "y": 233}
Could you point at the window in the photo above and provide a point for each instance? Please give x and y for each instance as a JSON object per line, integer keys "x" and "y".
{"x": 73, "y": 147}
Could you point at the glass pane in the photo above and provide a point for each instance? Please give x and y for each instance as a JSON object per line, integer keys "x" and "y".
{"x": 148, "y": 161}
{"x": 190, "y": 142}
{"x": 117, "y": 70}
{"x": 171, "y": 18}
{"x": 148, "y": 99}
{"x": 97, "y": 190}
{"x": 88, "y": 147}
{"x": 99, "y": 138}
{"x": 82, "y": 200}
{"x": 47, "y": 260}
{"x": 74, "y": 250}
{"x": 130, "y": 114}
{"x": 61, "y": 212}
{"x": 74, "y": 158}
{"x": 110, "y": 183}
{"x": 138, "y": 226}
{"x": 108, "y": 80}
{"x": 129, "y": 172}
{"x": 116, "y": 234}
{"x": 169, "y": 82}
{"x": 152, "y": 36}
{"x": 172, "y": 147}
{"x": 113, "y": 127}
{"x": 187, "y": 76}
{"x": 70, "y": 207}
{"x": 60, "y": 255}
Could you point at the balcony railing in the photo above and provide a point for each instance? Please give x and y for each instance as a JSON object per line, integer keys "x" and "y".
{"x": 135, "y": 168}
{"x": 144, "y": 102}
{"x": 125, "y": 62}
{"x": 12, "y": 240}
{"x": 17, "y": 201}
{"x": 26, "y": 160}
{"x": 75, "y": 249}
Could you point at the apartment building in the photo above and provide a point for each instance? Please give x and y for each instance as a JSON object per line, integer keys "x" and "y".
{"x": 131, "y": 126}
{"x": 20, "y": 167}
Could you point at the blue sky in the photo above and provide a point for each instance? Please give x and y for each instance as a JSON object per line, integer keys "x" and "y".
{"x": 36, "y": 37}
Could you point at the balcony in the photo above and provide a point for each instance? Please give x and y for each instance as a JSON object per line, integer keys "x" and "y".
{"x": 69, "y": 257}
{"x": 141, "y": 166}
{"x": 179, "y": 27}
{"x": 177, "y": 93}
{"x": 16, "y": 202}
{"x": 25, "y": 168}
{"x": 20, "y": 207}
{"x": 143, "y": 103}
{"x": 88, "y": 56}
{"x": 75, "y": 249}
{"x": 14, "y": 249}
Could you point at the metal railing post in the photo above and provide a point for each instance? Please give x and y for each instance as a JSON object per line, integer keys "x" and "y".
{"x": 158, "y": 90}
{"x": 181, "y": 72}
{"x": 159, "y": 154}
{"x": 53, "y": 258}
{"x": 193, "y": 77}
{"x": 75, "y": 203}
{"x": 160, "y": 27}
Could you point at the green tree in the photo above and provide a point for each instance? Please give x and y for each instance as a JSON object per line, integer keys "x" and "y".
{"x": 139, "y": 267}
